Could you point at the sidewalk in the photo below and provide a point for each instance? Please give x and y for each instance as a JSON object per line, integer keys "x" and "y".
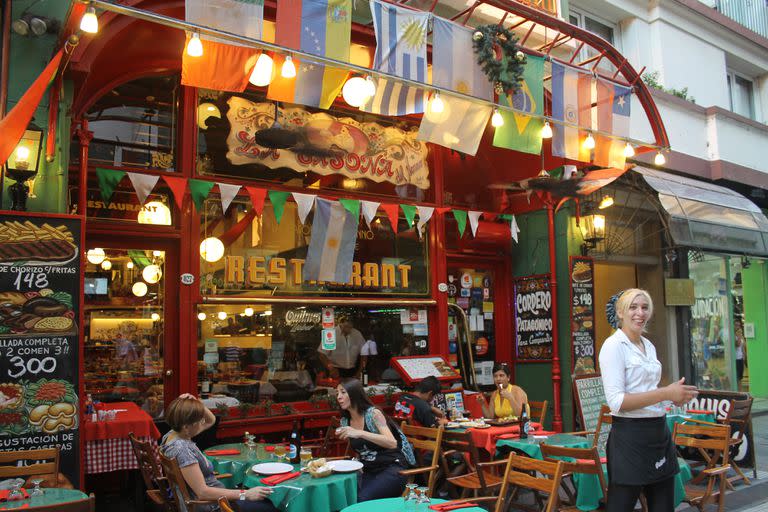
{"x": 760, "y": 407}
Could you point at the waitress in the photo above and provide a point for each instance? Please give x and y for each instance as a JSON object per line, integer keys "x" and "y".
{"x": 641, "y": 452}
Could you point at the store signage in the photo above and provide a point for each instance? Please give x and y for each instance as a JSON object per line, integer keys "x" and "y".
{"x": 359, "y": 150}
{"x": 678, "y": 292}
{"x": 328, "y": 318}
{"x": 125, "y": 206}
{"x": 301, "y": 319}
{"x": 533, "y": 318}
{"x": 329, "y": 339}
{"x": 582, "y": 275}
{"x": 39, "y": 337}
{"x": 187, "y": 279}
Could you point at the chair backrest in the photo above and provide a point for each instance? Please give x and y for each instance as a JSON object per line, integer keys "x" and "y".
{"x": 739, "y": 416}
{"x": 577, "y": 460}
{"x": 704, "y": 437}
{"x": 538, "y": 410}
{"x": 462, "y": 443}
{"x": 85, "y": 505}
{"x": 176, "y": 480}
{"x": 523, "y": 472}
{"x": 146, "y": 455}
{"x": 332, "y": 445}
{"x": 603, "y": 428}
{"x": 38, "y": 462}
{"x": 425, "y": 441}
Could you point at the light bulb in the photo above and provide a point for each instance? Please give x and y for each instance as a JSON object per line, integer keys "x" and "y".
{"x": 201, "y": 316}
{"x": 546, "y": 131}
{"x": 158, "y": 254}
{"x": 659, "y": 159}
{"x": 106, "y": 265}
{"x": 222, "y": 315}
{"x": 89, "y": 22}
{"x": 267, "y": 312}
{"x": 629, "y": 151}
{"x": 589, "y": 142}
{"x": 155, "y": 317}
{"x": 289, "y": 68}
{"x": 22, "y": 153}
{"x": 497, "y": 119}
{"x": 155, "y": 213}
{"x": 606, "y": 202}
{"x": 211, "y": 249}
{"x": 371, "y": 86}
{"x": 248, "y": 311}
{"x": 195, "y": 46}
{"x": 139, "y": 289}
{"x": 95, "y": 256}
{"x": 261, "y": 75}
{"x": 152, "y": 274}
{"x": 355, "y": 91}
{"x": 436, "y": 105}
{"x": 129, "y": 265}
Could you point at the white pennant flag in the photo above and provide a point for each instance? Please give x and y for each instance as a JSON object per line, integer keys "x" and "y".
{"x": 142, "y": 184}
{"x": 568, "y": 171}
{"x": 369, "y": 209}
{"x": 304, "y": 203}
{"x": 425, "y": 213}
{"x": 227, "y": 193}
{"x": 474, "y": 220}
{"x": 513, "y": 228}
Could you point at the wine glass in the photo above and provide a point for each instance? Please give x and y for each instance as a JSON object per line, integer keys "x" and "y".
{"x": 37, "y": 491}
{"x": 423, "y": 501}
{"x": 16, "y": 494}
{"x": 411, "y": 498}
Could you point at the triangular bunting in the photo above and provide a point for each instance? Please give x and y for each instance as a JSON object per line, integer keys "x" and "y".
{"x": 410, "y": 213}
{"x": 474, "y": 220}
{"x": 369, "y": 211}
{"x": 568, "y": 171}
{"x": 461, "y": 221}
{"x": 142, "y": 184}
{"x": 425, "y": 213}
{"x": 178, "y": 187}
{"x": 443, "y": 209}
{"x": 108, "y": 180}
{"x": 257, "y": 196}
{"x": 352, "y": 206}
{"x": 199, "y": 191}
{"x": 227, "y": 193}
{"x": 514, "y": 228}
{"x": 304, "y": 204}
{"x": 392, "y": 213}
{"x": 278, "y": 199}
{"x": 490, "y": 217}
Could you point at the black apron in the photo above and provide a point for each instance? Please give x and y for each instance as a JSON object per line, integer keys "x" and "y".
{"x": 640, "y": 451}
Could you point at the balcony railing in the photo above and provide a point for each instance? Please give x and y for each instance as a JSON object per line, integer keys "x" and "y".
{"x": 752, "y": 14}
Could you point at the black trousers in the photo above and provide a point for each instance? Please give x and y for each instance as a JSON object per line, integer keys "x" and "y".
{"x": 660, "y": 496}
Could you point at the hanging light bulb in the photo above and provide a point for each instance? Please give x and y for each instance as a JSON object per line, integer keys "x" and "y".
{"x": 659, "y": 159}
{"x": 248, "y": 311}
{"x": 355, "y": 91}
{"x": 546, "y": 131}
{"x": 437, "y": 105}
{"x": 261, "y": 75}
{"x": 222, "y": 315}
{"x": 152, "y": 274}
{"x": 606, "y": 202}
{"x": 497, "y": 119}
{"x": 201, "y": 316}
{"x": 139, "y": 289}
{"x": 106, "y": 265}
{"x": 589, "y": 142}
{"x": 289, "y": 68}
{"x": 629, "y": 151}
{"x": 155, "y": 317}
{"x": 95, "y": 256}
{"x": 211, "y": 249}
{"x": 129, "y": 265}
{"x": 371, "y": 86}
{"x": 195, "y": 46}
{"x": 89, "y": 22}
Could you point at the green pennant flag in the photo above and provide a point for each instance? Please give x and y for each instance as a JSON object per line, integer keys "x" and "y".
{"x": 352, "y": 206}
{"x": 410, "y": 213}
{"x": 278, "y": 199}
{"x": 199, "y": 191}
{"x": 108, "y": 180}
{"x": 557, "y": 172}
{"x": 522, "y": 132}
{"x": 461, "y": 220}
{"x": 505, "y": 216}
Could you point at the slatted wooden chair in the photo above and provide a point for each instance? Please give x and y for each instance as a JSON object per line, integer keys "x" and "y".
{"x": 158, "y": 490}
{"x": 224, "y": 505}
{"x": 85, "y": 505}
{"x": 426, "y": 445}
{"x": 604, "y": 422}
{"x": 473, "y": 476}
{"x": 538, "y": 411}
{"x": 584, "y": 461}
{"x": 179, "y": 487}
{"x": 38, "y": 462}
{"x": 713, "y": 440}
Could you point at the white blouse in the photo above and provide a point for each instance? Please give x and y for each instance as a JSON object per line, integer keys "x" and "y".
{"x": 625, "y": 369}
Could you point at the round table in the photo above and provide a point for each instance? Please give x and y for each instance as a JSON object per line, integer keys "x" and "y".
{"x": 52, "y": 496}
{"x": 398, "y": 505}
{"x": 531, "y": 446}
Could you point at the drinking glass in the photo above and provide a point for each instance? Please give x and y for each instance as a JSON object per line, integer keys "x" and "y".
{"x": 15, "y": 494}
{"x": 306, "y": 456}
{"x": 411, "y": 498}
{"x": 423, "y": 501}
{"x": 261, "y": 452}
{"x": 37, "y": 491}
{"x": 280, "y": 452}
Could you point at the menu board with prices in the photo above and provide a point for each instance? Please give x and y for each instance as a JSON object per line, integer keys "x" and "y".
{"x": 533, "y": 318}
{"x": 40, "y": 295}
{"x": 590, "y": 398}
{"x": 582, "y": 274}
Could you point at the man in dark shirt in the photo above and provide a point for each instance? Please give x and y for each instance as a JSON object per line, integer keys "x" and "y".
{"x": 414, "y": 407}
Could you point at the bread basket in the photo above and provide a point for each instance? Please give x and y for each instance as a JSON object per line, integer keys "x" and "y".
{"x": 318, "y": 468}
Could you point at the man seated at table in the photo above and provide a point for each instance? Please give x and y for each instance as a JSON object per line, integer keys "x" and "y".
{"x": 344, "y": 360}
{"x": 415, "y": 407}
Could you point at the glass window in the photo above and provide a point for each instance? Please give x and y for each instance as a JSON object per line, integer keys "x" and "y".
{"x": 602, "y": 28}
{"x": 265, "y": 354}
{"x": 124, "y": 327}
{"x": 741, "y": 95}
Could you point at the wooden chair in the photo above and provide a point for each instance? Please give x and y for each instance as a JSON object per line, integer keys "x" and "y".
{"x": 178, "y": 485}
{"x": 538, "y": 411}
{"x": 85, "y": 505}
{"x": 478, "y": 477}
{"x": 604, "y": 422}
{"x": 713, "y": 440}
{"x": 43, "y": 461}
{"x": 426, "y": 443}
{"x": 576, "y": 461}
{"x": 158, "y": 490}
{"x": 224, "y": 505}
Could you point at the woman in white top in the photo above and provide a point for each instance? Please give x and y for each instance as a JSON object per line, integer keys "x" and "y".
{"x": 641, "y": 452}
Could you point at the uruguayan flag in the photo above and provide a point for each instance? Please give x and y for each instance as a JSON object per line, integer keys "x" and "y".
{"x": 395, "y": 99}
{"x": 454, "y": 65}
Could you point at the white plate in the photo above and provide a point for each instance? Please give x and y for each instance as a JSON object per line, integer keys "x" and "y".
{"x": 345, "y": 466}
{"x": 272, "y": 468}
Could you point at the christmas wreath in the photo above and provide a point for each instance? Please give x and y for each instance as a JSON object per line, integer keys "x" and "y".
{"x": 506, "y": 70}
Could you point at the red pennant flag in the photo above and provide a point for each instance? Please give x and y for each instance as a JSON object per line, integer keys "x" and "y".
{"x": 393, "y": 212}
{"x": 14, "y": 124}
{"x": 257, "y": 196}
{"x": 490, "y": 217}
{"x": 178, "y": 186}
{"x": 443, "y": 209}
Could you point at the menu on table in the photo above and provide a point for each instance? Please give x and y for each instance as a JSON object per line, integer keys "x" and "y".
{"x": 39, "y": 312}
{"x": 533, "y": 318}
{"x": 582, "y": 274}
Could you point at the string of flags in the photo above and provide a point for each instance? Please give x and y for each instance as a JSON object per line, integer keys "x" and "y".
{"x": 199, "y": 190}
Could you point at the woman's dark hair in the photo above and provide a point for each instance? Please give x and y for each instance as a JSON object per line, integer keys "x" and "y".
{"x": 358, "y": 399}
{"x": 501, "y": 367}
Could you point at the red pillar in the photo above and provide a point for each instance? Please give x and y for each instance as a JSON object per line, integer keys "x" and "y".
{"x": 557, "y": 420}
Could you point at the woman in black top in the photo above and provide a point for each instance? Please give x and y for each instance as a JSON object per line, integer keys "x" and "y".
{"x": 379, "y": 444}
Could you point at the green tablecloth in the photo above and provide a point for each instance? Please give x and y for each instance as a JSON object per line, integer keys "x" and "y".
{"x": 682, "y": 418}
{"x": 52, "y": 496}
{"x": 398, "y": 505}
{"x": 235, "y": 464}
{"x": 531, "y": 446}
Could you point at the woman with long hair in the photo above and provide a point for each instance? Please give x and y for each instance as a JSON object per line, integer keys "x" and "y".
{"x": 380, "y": 445}
{"x": 507, "y": 399}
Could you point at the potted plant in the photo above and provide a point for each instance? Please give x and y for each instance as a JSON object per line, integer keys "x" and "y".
{"x": 221, "y": 409}
{"x": 389, "y": 394}
{"x": 268, "y": 403}
{"x": 245, "y": 409}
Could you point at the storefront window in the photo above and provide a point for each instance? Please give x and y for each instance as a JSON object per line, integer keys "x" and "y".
{"x": 711, "y": 323}
{"x": 124, "y": 327}
{"x": 269, "y": 353}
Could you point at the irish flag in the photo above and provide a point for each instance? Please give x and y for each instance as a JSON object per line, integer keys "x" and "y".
{"x": 332, "y": 247}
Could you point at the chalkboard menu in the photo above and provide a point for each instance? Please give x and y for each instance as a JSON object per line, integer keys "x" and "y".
{"x": 39, "y": 314}
{"x": 590, "y": 397}
{"x": 533, "y": 318}
{"x": 582, "y": 273}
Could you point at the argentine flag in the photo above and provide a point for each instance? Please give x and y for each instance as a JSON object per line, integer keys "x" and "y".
{"x": 454, "y": 65}
{"x": 332, "y": 247}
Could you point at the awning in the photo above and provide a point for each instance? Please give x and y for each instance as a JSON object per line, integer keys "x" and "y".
{"x": 709, "y": 216}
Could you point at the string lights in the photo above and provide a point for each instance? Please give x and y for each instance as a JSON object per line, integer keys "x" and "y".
{"x": 436, "y": 105}
{"x": 589, "y": 142}
{"x": 261, "y": 76}
{"x": 289, "y": 68}
{"x": 195, "y": 46}
{"x": 546, "y": 131}
{"x": 659, "y": 159}
{"x": 89, "y": 22}
{"x": 497, "y": 119}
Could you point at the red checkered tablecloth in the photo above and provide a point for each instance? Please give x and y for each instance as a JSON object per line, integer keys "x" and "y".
{"x": 104, "y": 455}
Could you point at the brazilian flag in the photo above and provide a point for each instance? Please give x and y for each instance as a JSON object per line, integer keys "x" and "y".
{"x": 522, "y": 132}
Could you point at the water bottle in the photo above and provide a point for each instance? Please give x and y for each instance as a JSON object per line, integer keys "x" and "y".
{"x": 525, "y": 425}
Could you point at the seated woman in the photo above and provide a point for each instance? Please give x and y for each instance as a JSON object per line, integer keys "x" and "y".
{"x": 378, "y": 442}
{"x": 187, "y": 417}
{"x": 507, "y": 400}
